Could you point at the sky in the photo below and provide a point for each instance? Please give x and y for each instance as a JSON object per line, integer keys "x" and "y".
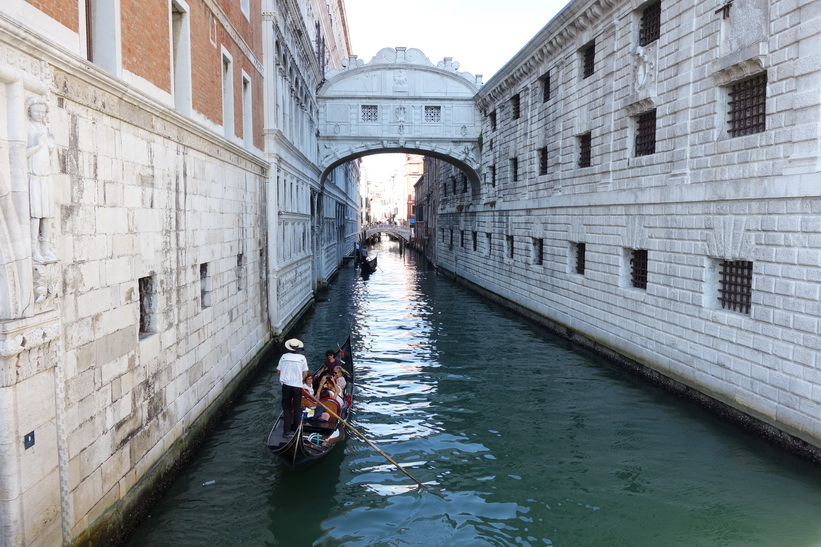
{"x": 480, "y": 35}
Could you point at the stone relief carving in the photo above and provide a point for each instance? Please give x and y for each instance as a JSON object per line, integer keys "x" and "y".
{"x": 644, "y": 68}
{"x": 41, "y": 185}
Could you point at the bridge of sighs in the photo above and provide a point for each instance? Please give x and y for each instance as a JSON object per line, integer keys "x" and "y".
{"x": 399, "y": 102}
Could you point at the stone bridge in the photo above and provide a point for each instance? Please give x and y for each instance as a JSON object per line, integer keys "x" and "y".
{"x": 399, "y": 231}
{"x": 399, "y": 102}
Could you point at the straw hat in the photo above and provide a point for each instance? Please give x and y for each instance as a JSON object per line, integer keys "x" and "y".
{"x": 294, "y": 345}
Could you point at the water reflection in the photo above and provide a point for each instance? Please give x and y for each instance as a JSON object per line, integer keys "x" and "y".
{"x": 524, "y": 439}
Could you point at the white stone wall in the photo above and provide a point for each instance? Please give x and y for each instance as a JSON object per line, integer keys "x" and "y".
{"x": 701, "y": 198}
{"x": 139, "y": 192}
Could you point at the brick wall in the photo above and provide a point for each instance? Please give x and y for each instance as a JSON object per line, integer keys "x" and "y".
{"x": 146, "y": 41}
{"x": 66, "y": 13}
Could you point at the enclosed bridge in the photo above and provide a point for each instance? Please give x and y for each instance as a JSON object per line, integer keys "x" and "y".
{"x": 399, "y": 102}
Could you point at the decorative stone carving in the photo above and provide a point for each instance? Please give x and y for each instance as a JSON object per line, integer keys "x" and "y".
{"x": 41, "y": 185}
{"x": 645, "y": 68}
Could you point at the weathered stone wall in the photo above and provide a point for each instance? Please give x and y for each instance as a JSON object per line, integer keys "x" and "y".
{"x": 701, "y": 198}
{"x": 155, "y": 303}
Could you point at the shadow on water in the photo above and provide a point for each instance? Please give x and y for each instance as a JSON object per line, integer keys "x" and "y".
{"x": 527, "y": 440}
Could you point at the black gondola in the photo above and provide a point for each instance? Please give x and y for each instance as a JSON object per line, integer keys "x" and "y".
{"x": 368, "y": 266}
{"x": 315, "y": 437}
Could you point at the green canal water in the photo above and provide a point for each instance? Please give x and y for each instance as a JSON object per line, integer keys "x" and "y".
{"x": 524, "y": 439}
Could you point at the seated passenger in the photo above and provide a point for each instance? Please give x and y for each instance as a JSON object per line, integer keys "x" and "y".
{"x": 330, "y": 363}
{"x": 339, "y": 379}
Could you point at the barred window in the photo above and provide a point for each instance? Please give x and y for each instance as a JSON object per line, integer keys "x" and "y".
{"x": 646, "y": 133}
{"x": 736, "y": 285}
{"x": 510, "y": 246}
{"x": 515, "y": 106}
{"x": 493, "y": 175}
{"x": 538, "y": 251}
{"x": 489, "y": 242}
{"x": 546, "y": 87}
{"x": 433, "y": 114}
{"x": 514, "y": 169}
{"x": 475, "y": 241}
{"x": 493, "y": 121}
{"x": 588, "y": 57}
{"x": 748, "y": 106}
{"x": 450, "y": 241}
{"x": 543, "y": 160}
{"x": 464, "y": 183}
{"x": 638, "y": 268}
{"x": 650, "y": 24}
{"x": 462, "y": 238}
{"x": 581, "y": 250}
{"x": 370, "y": 113}
{"x": 585, "y": 150}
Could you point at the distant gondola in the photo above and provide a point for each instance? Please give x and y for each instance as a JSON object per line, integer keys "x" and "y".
{"x": 315, "y": 437}
{"x": 368, "y": 266}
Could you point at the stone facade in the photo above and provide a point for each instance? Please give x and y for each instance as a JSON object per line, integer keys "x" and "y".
{"x": 313, "y": 213}
{"x": 650, "y": 182}
{"x": 147, "y": 239}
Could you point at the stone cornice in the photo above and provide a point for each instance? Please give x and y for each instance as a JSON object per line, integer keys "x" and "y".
{"x": 74, "y": 67}
{"x": 576, "y": 19}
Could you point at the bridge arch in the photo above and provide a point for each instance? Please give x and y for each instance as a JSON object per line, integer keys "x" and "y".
{"x": 399, "y": 102}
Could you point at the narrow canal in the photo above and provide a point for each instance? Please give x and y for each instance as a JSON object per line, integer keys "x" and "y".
{"x": 526, "y": 440}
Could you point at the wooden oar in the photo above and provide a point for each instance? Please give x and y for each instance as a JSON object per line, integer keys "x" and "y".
{"x": 361, "y": 436}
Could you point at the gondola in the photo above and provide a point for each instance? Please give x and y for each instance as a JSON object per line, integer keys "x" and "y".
{"x": 368, "y": 266}
{"x": 315, "y": 437}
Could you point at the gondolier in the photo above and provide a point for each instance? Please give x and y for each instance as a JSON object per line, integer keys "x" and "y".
{"x": 319, "y": 429}
{"x": 292, "y": 370}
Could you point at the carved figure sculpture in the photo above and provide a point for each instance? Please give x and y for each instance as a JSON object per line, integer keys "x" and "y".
{"x": 41, "y": 185}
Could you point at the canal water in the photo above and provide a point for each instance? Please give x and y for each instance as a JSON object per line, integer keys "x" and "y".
{"x": 523, "y": 438}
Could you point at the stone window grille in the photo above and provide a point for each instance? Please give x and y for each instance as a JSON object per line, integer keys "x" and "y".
{"x": 475, "y": 241}
{"x": 148, "y": 306}
{"x": 581, "y": 250}
{"x": 510, "y": 246}
{"x": 205, "y": 286}
{"x": 543, "y": 160}
{"x": 493, "y": 175}
{"x": 748, "y": 106}
{"x": 443, "y": 234}
{"x": 450, "y": 242}
{"x": 545, "y": 87}
{"x": 588, "y": 59}
{"x": 453, "y": 184}
{"x": 638, "y": 268}
{"x": 462, "y": 238}
{"x": 538, "y": 251}
{"x": 736, "y": 285}
{"x": 516, "y": 106}
{"x": 650, "y": 24}
{"x": 646, "y": 133}
{"x": 489, "y": 242}
{"x": 585, "y": 150}
{"x": 433, "y": 114}
{"x": 370, "y": 113}
{"x": 464, "y": 183}
{"x": 514, "y": 169}
{"x": 493, "y": 121}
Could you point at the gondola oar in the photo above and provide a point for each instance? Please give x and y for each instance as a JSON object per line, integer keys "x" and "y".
{"x": 361, "y": 436}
